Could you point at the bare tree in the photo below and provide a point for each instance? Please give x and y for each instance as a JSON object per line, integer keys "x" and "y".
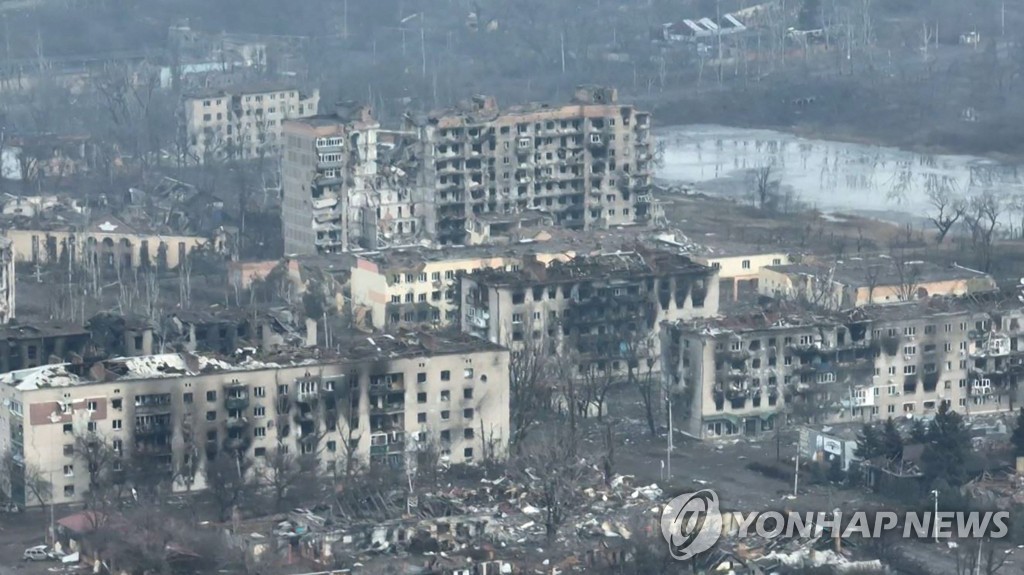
{"x": 639, "y": 352}
{"x": 553, "y": 473}
{"x": 37, "y": 487}
{"x": 350, "y": 459}
{"x": 908, "y": 273}
{"x": 765, "y": 189}
{"x": 529, "y": 385}
{"x": 98, "y": 455}
{"x": 982, "y": 219}
{"x": 949, "y": 208}
{"x": 428, "y": 455}
{"x": 979, "y": 557}
{"x": 229, "y": 481}
{"x": 595, "y": 385}
{"x": 285, "y": 474}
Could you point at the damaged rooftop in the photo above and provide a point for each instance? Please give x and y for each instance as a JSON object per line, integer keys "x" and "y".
{"x": 607, "y": 266}
{"x": 787, "y": 315}
{"x": 882, "y": 270}
{"x": 354, "y": 349}
{"x": 548, "y": 241}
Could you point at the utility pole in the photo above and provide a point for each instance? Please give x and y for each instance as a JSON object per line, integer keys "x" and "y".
{"x": 669, "y": 445}
{"x": 718, "y": 32}
{"x": 977, "y": 564}
{"x": 53, "y": 524}
{"x": 562, "y": 43}
{"x": 423, "y": 48}
{"x": 796, "y": 471}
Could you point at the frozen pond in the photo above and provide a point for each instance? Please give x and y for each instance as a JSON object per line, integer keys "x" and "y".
{"x": 832, "y": 176}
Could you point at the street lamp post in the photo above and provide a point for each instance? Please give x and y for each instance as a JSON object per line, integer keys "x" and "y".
{"x": 935, "y": 516}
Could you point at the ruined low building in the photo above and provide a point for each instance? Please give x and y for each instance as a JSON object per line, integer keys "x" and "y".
{"x": 737, "y": 375}
{"x": 28, "y": 158}
{"x": 738, "y": 264}
{"x": 420, "y": 286}
{"x": 115, "y": 335}
{"x": 872, "y": 280}
{"x": 32, "y": 344}
{"x": 603, "y": 309}
{"x": 506, "y": 228}
{"x": 387, "y": 398}
{"x": 102, "y": 240}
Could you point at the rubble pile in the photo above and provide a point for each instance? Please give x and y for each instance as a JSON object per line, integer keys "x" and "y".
{"x": 497, "y": 522}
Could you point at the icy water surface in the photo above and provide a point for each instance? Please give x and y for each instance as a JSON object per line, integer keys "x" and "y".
{"x": 831, "y": 176}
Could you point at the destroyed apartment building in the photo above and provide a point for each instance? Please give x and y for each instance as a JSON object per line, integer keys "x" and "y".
{"x": 332, "y": 196}
{"x": 454, "y": 175}
{"x": 604, "y": 308}
{"x": 64, "y": 231}
{"x": 386, "y": 397}
{"x": 737, "y": 375}
{"x": 588, "y": 163}
{"x": 418, "y": 286}
{"x": 38, "y": 343}
{"x": 215, "y": 330}
{"x": 243, "y": 121}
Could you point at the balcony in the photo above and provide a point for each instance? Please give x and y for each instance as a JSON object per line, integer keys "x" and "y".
{"x": 151, "y": 449}
{"x": 327, "y": 148}
{"x": 158, "y": 403}
{"x": 386, "y": 408}
{"x": 307, "y": 397}
{"x": 237, "y": 422}
{"x": 327, "y": 164}
{"x": 236, "y": 400}
{"x": 385, "y": 383}
{"x": 324, "y": 180}
{"x": 153, "y": 429}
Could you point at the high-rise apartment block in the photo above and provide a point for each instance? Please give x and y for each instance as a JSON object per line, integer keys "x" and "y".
{"x": 582, "y": 165}
{"x": 588, "y": 162}
{"x": 328, "y": 160}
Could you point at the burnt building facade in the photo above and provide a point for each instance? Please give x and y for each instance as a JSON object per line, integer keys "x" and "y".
{"x": 381, "y": 403}
{"x": 602, "y": 309}
{"x": 739, "y": 375}
{"x": 586, "y": 164}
